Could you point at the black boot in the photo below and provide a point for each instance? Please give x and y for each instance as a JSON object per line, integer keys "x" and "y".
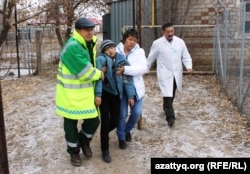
{"x": 169, "y": 110}
{"x": 122, "y": 144}
{"x": 171, "y": 121}
{"x": 128, "y": 137}
{"x": 105, "y": 156}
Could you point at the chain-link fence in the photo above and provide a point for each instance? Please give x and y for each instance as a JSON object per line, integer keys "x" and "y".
{"x": 232, "y": 53}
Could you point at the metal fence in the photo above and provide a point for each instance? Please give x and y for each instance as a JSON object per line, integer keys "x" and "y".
{"x": 21, "y": 54}
{"x": 26, "y": 58}
{"x": 232, "y": 60}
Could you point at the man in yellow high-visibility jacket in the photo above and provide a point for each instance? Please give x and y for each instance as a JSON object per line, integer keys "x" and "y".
{"x": 75, "y": 89}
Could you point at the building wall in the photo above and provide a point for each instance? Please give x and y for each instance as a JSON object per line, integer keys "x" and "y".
{"x": 200, "y": 37}
{"x": 121, "y": 15}
{"x": 195, "y": 22}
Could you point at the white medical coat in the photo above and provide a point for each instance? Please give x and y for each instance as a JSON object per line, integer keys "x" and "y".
{"x": 137, "y": 68}
{"x": 169, "y": 57}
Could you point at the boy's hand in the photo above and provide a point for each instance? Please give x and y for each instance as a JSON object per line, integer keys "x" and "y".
{"x": 98, "y": 101}
{"x": 131, "y": 102}
{"x": 104, "y": 69}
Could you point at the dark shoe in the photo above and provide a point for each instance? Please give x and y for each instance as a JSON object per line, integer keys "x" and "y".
{"x": 128, "y": 137}
{"x": 75, "y": 158}
{"x": 105, "y": 156}
{"x": 122, "y": 144}
{"x": 85, "y": 145}
{"x": 171, "y": 122}
{"x": 86, "y": 150}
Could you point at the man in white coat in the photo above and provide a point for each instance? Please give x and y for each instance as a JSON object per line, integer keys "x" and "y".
{"x": 170, "y": 52}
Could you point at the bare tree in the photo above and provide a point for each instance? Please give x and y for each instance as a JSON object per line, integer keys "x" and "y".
{"x": 6, "y": 18}
{"x": 25, "y": 8}
{"x": 65, "y": 12}
{"x": 57, "y": 12}
{"x": 61, "y": 11}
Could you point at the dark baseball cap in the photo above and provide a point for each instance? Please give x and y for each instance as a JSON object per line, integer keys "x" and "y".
{"x": 83, "y": 23}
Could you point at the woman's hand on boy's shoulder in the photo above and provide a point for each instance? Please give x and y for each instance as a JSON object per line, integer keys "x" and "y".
{"x": 120, "y": 70}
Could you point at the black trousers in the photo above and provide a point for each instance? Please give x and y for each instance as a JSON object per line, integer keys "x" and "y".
{"x": 110, "y": 112}
{"x": 72, "y": 135}
{"x": 168, "y": 104}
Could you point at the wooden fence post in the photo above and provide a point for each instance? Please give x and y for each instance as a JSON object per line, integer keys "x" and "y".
{"x": 139, "y": 124}
{"x": 4, "y": 166}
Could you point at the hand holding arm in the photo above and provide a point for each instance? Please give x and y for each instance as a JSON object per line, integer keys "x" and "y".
{"x": 120, "y": 70}
{"x": 102, "y": 77}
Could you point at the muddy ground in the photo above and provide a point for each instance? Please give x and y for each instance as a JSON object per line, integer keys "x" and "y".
{"x": 207, "y": 125}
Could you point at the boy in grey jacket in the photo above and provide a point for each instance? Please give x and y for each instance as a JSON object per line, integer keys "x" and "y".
{"x": 108, "y": 93}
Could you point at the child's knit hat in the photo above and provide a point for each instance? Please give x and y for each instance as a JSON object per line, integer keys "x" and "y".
{"x": 106, "y": 44}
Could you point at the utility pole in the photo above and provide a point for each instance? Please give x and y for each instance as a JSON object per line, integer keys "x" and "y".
{"x": 133, "y": 6}
{"x": 138, "y": 20}
{"x": 17, "y": 49}
{"x": 4, "y": 166}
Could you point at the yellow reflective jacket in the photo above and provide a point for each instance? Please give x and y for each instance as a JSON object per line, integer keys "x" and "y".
{"x": 75, "y": 80}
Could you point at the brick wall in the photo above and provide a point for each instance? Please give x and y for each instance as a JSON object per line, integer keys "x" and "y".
{"x": 200, "y": 41}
